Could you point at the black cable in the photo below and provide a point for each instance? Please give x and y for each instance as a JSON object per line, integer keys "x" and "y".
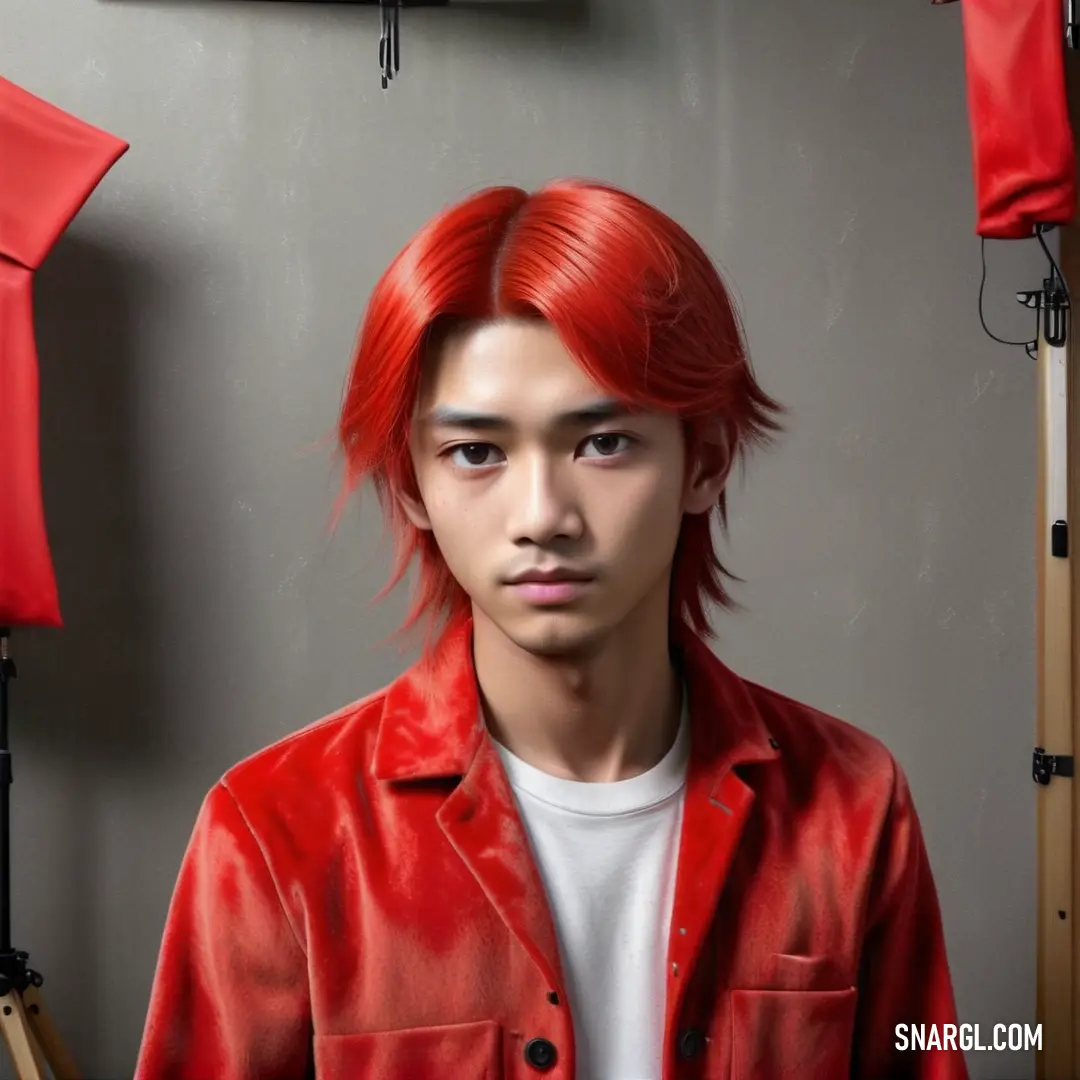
{"x": 982, "y": 319}
{"x": 1055, "y": 276}
{"x": 1039, "y": 236}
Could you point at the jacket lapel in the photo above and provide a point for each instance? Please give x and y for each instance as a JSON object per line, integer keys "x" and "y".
{"x": 481, "y": 821}
{"x": 432, "y": 727}
{"x": 726, "y": 731}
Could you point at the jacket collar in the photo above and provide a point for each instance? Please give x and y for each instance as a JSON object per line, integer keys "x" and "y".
{"x": 432, "y": 725}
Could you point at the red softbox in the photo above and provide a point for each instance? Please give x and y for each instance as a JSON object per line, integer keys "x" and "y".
{"x": 50, "y": 162}
{"x": 1022, "y": 144}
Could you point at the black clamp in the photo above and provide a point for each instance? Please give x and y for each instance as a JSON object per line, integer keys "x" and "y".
{"x": 15, "y": 974}
{"x": 1072, "y": 26}
{"x": 1044, "y": 765}
{"x": 1054, "y": 300}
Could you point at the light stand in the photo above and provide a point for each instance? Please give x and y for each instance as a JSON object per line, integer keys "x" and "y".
{"x": 31, "y": 1038}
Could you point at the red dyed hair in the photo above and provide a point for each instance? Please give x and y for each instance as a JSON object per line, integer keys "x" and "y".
{"x": 633, "y": 298}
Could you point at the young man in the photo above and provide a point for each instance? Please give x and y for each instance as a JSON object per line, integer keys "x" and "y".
{"x": 569, "y": 841}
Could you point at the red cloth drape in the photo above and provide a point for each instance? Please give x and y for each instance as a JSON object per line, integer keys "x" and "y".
{"x": 1022, "y": 142}
{"x": 50, "y": 162}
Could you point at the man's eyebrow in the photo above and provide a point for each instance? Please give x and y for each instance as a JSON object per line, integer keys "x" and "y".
{"x": 594, "y": 412}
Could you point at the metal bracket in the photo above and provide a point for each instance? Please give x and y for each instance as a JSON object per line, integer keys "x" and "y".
{"x": 1053, "y": 299}
{"x": 1044, "y": 766}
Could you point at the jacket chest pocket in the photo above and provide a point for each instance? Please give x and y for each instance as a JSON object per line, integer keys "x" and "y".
{"x": 792, "y": 1034}
{"x": 447, "y": 1052}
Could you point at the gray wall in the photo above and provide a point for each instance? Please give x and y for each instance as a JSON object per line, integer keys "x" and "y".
{"x": 195, "y": 326}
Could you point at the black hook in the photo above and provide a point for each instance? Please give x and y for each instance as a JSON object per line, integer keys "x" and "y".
{"x": 389, "y": 39}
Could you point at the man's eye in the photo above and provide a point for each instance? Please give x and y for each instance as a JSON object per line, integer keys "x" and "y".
{"x": 607, "y": 444}
{"x": 472, "y": 455}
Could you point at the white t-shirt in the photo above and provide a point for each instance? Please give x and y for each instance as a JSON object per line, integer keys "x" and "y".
{"x": 607, "y": 854}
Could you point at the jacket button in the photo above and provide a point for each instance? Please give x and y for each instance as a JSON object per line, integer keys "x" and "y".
{"x": 691, "y": 1043}
{"x": 540, "y": 1054}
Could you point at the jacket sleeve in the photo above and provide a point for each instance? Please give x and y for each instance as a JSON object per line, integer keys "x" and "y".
{"x": 904, "y": 972}
{"x": 229, "y": 999}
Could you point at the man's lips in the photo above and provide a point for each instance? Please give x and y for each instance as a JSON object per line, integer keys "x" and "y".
{"x": 553, "y": 576}
{"x": 551, "y": 590}
{"x": 548, "y": 585}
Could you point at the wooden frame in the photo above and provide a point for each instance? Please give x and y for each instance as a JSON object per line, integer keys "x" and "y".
{"x": 1058, "y": 991}
{"x": 1058, "y": 697}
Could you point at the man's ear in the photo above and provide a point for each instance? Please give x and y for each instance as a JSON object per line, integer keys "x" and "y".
{"x": 710, "y": 469}
{"x": 413, "y": 508}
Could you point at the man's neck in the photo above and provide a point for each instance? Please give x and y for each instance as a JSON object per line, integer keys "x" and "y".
{"x": 606, "y": 717}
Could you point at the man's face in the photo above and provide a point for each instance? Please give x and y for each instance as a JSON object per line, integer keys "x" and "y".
{"x": 526, "y": 468}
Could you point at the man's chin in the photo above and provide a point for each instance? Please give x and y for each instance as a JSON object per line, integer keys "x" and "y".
{"x": 557, "y": 635}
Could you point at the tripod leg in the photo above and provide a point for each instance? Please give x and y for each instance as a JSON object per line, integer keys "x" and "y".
{"x": 21, "y": 1042}
{"x": 48, "y": 1038}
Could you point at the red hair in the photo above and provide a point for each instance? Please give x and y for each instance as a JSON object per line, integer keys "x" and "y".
{"x": 633, "y": 298}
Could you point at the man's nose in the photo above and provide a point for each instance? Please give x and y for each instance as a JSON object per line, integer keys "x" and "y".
{"x": 543, "y": 501}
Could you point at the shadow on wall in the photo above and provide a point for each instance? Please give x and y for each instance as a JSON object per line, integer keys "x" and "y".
{"x": 82, "y": 704}
{"x": 103, "y": 700}
{"x": 89, "y": 685}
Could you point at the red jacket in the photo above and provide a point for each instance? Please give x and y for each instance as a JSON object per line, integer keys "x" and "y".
{"x": 360, "y": 898}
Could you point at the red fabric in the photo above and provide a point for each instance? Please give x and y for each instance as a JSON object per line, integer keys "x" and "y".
{"x": 345, "y": 904}
{"x": 50, "y": 162}
{"x": 1022, "y": 142}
